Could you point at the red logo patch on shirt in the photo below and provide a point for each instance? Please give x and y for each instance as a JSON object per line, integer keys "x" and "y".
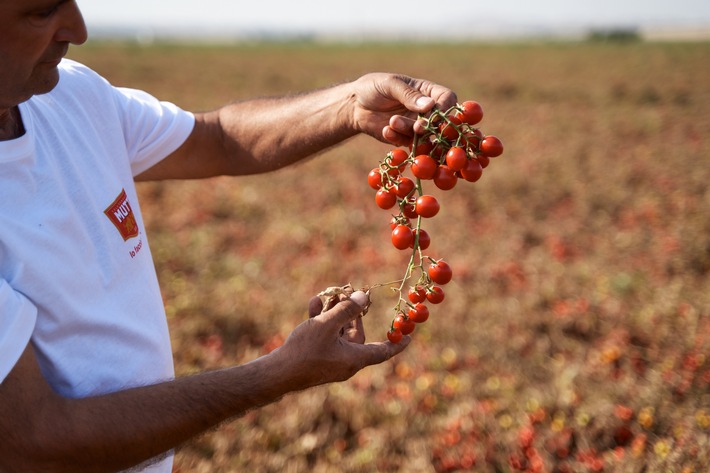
{"x": 121, "y": 215}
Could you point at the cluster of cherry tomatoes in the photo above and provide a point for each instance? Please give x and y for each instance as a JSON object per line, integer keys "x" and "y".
{"x": 451, "y": 149}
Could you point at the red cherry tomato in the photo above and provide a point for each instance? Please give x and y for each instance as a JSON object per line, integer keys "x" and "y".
{"x": 402, "y": 237}
{"x": 440, "y": 272}
{"x": 419, "y": 314}
{"x": 374, "y": 179}
{"x": 473, "y": 170}
{"x": 484, "y": 160}
{"x": 399, "y": 220}
{"x": 394, "y": 335}
{"x": 393, "y": 172}
{"x": 491, "y": 146}
{"x": 396, "y": 157}
{"x": 471, "y": 112}
{"x": 449, "y": 130}
{"x": 435, "y": 295}
{"x": 404, "y": 186}
{"x": 385, "y": 198}
{"x": 439, "y": 152}
{"x": 427, "y": 206}
{"x": 403, "y": 324}
{"x": 456, "y": 158}
{"x": 474, "y": 138}
{"x": 416, "y": 294}
{"x": 423, "y": 147}
{"x": 445, "y": 178}
{"x": 409, "y": 210}
{"x": 424, "y": 239}
{"x": 424, "y": 166}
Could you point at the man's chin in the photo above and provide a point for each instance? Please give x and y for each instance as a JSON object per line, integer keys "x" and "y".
{"x": 48, "y": 82}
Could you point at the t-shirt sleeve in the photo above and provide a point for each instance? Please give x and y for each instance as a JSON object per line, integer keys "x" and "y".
{"x": 17, "y": 321}
{"x": 152, "y": 128}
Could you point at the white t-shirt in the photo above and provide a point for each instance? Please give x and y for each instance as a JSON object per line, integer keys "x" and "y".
{"x": 76, "y": 273}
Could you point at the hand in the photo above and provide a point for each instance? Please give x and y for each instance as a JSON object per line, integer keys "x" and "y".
{"x": 330, "y": 346}
{"x": 387, "y": 105}
{"x": 354, "y": 331}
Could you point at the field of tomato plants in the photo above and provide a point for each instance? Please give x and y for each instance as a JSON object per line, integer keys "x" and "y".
{"x": 575, "y": 333}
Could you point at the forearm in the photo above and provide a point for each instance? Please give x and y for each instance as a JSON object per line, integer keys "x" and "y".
{"x": 266, "y": 134}
{"x": 123, "y": 429}
{"x": 42, "y": 431}
{"x": 262, "y": 135}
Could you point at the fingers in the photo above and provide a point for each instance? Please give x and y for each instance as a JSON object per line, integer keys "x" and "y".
{"x": 355, "y": 331}
{"x": 445, "y": 98}
{"x": 346, "y": 311}
{"x": 346, "y": 314}
{"x": 392, "y": 136}
{"x": 400, "y": 130}
{"x": 315, "y": 306}
{"x": 404, "y": 90}
{"x": 421, "y": 96}
{"x": 380, "y": 352}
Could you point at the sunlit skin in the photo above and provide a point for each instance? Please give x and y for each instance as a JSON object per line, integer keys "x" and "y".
{"x": 36, "y": 35}
{"x": 42, "y": 431}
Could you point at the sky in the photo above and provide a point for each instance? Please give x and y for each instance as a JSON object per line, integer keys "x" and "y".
{"x": 431, "y": 18}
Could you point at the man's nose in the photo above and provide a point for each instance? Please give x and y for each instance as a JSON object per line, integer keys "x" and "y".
{"x": 72, "y": 28}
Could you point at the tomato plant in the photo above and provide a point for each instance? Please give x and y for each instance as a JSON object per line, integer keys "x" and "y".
{"x": 450, "y": 148}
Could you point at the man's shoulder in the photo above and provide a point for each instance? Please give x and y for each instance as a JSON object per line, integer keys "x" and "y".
{"x": 79, "y": 86}
{"x": 70, "y": 70}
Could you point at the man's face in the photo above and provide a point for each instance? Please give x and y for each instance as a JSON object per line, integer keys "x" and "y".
{"x": 34, "y": 36}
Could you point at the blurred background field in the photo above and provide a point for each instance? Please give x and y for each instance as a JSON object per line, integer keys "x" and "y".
{"x": 575, "y": 336}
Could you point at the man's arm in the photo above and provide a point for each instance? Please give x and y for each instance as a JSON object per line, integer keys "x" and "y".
{"x": 261, "y": 135}
{"x": 42, "y": 431}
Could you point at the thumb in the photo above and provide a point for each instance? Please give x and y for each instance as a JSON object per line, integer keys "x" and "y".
{"x": 410, "y": 97}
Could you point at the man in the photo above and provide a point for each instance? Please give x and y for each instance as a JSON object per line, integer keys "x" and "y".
{"x": 86, "y": 375}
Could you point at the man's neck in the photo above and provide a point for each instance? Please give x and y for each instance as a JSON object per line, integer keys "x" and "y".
{"x": 10, "y": 124}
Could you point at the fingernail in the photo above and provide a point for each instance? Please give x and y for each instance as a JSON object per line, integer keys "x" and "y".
{"x": 397, "y": 123}
{"x": 424, "y": 101}
{"x": 360, "y": 298}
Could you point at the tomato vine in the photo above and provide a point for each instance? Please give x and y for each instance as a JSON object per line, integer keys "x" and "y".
{"x": 451, "y": 148}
